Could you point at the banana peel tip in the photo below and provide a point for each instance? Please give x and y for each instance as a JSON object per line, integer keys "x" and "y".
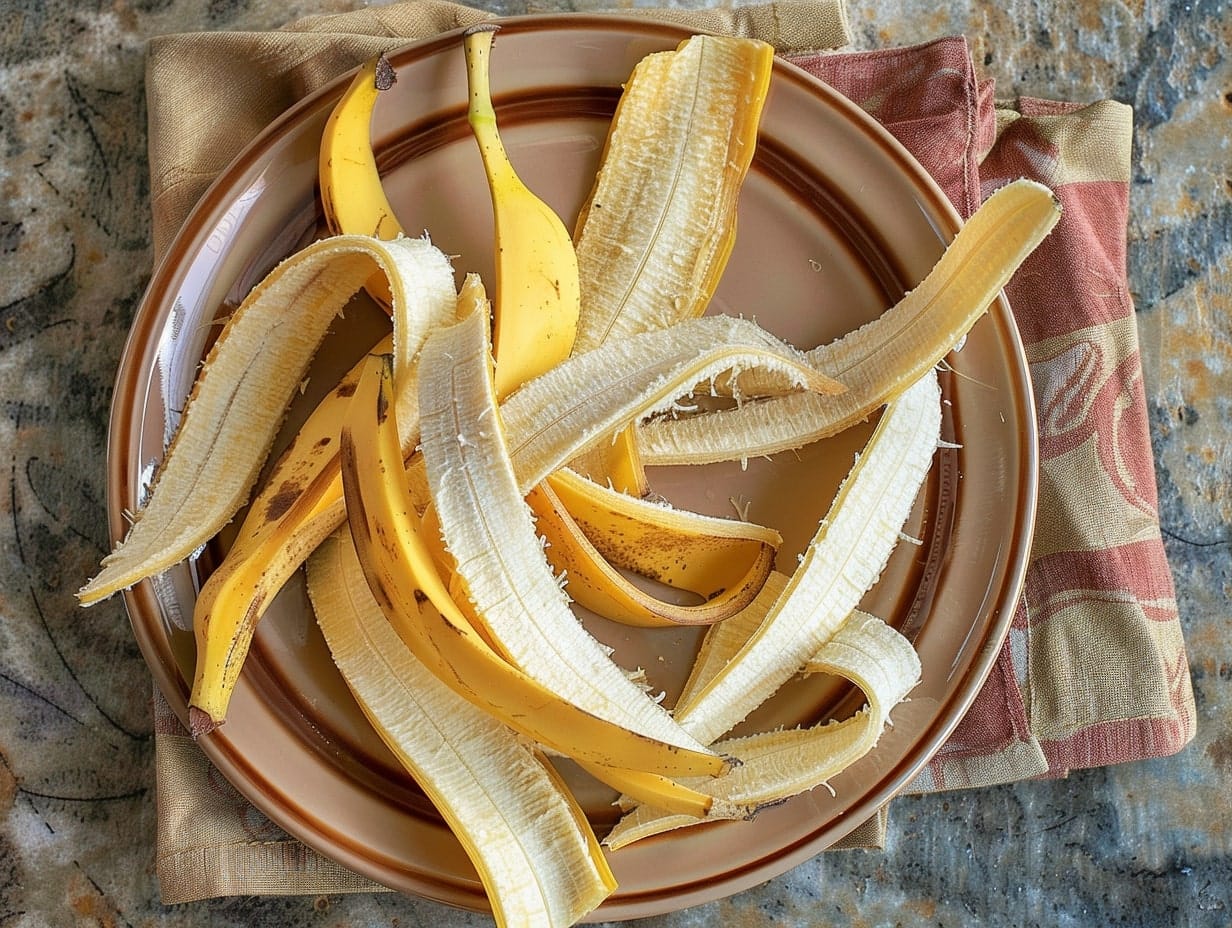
{"x": 200, "y": 722}
{"x": 385, "y": 76}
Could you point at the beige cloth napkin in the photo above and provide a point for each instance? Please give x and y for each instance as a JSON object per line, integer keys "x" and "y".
{"x": 1094, "y": 671}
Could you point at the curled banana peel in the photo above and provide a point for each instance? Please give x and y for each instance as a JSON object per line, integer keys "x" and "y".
{"x": 781, "y": 764}
{"x": 724, "y": 577}
{"x": 593, "y": 530}
{"x": 246, "y": 383}
{"x": 882, "y": 358}
{"x": 402, "y": 573}
{"x": 350, "y": 202}
{"x": 746, "y": 659}
{"x": 536, "y": 854}
{"x": 843, "y": 561}
{"x": 653, "y": 238}
{"x": 812, "y": 623}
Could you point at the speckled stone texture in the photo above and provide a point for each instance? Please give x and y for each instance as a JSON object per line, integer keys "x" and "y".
{"x": 1140, "y": 844}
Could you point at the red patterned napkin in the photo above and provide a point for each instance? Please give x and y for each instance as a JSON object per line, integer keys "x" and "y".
{"x": 1094, "y": 670}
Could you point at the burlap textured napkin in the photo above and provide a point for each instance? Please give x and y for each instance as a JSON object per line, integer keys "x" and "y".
{"x": 1094, "y": 671}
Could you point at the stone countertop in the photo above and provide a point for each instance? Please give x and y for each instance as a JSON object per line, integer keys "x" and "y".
{"x": 1145, "y": 843}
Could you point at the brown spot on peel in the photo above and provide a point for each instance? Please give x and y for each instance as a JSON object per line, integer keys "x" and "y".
{"x": 283, "y": 500}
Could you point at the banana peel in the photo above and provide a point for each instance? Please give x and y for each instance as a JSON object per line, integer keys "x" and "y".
{"x": 402, "y": 572}
{"x": 537, "y": 297}
{"x": 349, "y": 201}
{"x": 536, "y": 854}
{"x": 246, "y": 383}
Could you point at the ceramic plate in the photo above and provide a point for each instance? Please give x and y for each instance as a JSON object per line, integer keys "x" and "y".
{"x": 836, "y": 222}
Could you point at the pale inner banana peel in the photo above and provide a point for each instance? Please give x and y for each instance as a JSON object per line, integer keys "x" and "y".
{"x": 531, "y": 844}
{"x": 488, "y": 531}
{"x": 655, "y": 234}
{"x": 841, "y": 564}
{"x": 657, "y": 230}
{"x": 780, "y": 764}
{"x": 246, "y": 384}
{"x": 880, "y": 359}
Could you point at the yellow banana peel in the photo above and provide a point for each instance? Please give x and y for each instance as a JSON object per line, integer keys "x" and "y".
{"x": 347, "y": 163}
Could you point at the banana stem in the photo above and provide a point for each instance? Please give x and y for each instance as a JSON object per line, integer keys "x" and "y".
{"x": 480, "y": 113}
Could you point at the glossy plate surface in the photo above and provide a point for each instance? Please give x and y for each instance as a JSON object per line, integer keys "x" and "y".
{"x": 836, "y": 222}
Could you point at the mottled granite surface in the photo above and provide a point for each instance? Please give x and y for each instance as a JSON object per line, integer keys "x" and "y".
{"x": 1145, "y": 843}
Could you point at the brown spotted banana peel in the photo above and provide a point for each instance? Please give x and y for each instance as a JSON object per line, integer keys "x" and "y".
{"x": 883, "y": 357}
{"x": 723, "y": 570}
{"x": 536, "y": 855}
{"x": 247, "y": 382}
{"x": 536, "y": 297}
{"x": 402, "y": 574}
{"x": 300, "y": 503}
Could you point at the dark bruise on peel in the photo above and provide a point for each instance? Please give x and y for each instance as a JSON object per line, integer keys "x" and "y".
{"x": 283, "y": 500}
{"x": 354, "y": 500}
{"x": 382, "y": 406}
